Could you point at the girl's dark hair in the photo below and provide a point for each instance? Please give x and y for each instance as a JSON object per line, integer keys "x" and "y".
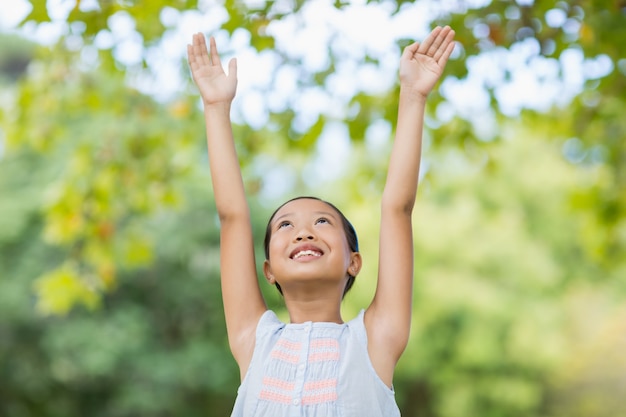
{"x": 353, "y": 241}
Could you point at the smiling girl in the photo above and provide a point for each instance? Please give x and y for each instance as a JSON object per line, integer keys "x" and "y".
{"x": 317, "y": 364}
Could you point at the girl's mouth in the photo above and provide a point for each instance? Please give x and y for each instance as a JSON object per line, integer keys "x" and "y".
{"x": 306, "y": 252}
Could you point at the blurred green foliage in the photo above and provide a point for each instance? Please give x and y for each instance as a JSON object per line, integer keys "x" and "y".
{"x": 109, "y": 256}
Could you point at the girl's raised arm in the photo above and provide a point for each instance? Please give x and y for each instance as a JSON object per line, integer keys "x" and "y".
{"x": 243, "y": 302}
{"x": 388, "y": 318}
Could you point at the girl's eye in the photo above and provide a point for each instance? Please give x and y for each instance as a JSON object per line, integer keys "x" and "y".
{"x": 322, "y": 220}
{"x": 283, "y": 224}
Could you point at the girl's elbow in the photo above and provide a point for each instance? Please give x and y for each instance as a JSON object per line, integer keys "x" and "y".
{"x": 230, "y": 215}
{"x": 397, "y": 206}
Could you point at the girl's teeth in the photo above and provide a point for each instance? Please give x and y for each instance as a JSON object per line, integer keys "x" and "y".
{"x": 306, "y": 253}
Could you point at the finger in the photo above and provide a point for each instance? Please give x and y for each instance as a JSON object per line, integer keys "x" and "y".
{"x": 197, "y": 49}
{"x": 438, "y": 41}
{"x": 202, "y": 52}
{"x": 425, "y": 45}
{"x": 443, "y": 60}
{"x": 410, "y": 50}
{"x": 194, "y": 60}
{"x": 232, "y": 68}
{"x": 191, "y": 59}
{"x": 215, "y": 58}
{"x": 448, "y": 40}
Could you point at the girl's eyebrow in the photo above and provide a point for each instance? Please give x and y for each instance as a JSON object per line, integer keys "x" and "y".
{"x": 281, "y": 216}
{"x": 325, "y": 213}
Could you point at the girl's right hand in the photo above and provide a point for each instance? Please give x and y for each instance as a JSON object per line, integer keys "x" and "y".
{"x": 214, "y": 85}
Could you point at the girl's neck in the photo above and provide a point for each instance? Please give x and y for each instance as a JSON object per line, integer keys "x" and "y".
{"x": 316, "y": 310}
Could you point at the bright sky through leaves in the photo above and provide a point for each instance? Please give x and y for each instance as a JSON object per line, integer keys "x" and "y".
{"x": 364, "y": 29}
{"x": 353, "y": 32}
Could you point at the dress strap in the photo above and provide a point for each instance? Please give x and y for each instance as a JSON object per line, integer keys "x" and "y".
{"x": 268, "y": 324}
{"x": 357, "y": 325}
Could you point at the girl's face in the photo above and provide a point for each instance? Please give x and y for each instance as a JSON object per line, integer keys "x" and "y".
{"x": 308, "y": 243}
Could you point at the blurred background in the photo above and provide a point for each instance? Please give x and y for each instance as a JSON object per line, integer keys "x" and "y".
{"x": 109, "y": 258}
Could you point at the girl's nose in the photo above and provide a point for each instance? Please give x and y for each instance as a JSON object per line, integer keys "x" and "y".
{"x": 304, "y": 235}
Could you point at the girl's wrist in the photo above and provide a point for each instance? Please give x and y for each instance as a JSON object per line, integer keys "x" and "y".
{"x": 412, "y": 94}
{"x": 217, "y": 107}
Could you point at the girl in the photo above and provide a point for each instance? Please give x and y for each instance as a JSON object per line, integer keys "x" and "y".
{"x": 317, "y": 365}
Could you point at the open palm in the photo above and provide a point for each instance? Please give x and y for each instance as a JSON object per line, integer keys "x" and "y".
{"x": 214, "y": 85}
{"x": 422, "y": 64}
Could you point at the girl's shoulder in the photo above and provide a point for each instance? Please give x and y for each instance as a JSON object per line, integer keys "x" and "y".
{"x": 269, "y": 322}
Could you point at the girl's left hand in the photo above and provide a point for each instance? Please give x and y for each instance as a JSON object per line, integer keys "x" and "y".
{"x": 422, "y": 64}
{"x": 206, "y": 68}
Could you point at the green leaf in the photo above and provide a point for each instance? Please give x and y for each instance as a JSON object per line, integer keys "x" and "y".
{"x": 39, "y": 12}
{"x": 61, "y": 289}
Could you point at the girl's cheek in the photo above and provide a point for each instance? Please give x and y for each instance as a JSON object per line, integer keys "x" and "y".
{"x": 273, "y": 247}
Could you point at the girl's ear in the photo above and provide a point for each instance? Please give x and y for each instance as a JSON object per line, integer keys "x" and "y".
{"x": 267, "y": 271}
{"x": 356, "y": 262}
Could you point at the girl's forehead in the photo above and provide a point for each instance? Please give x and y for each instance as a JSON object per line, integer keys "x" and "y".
{"x": 304, "y": 206}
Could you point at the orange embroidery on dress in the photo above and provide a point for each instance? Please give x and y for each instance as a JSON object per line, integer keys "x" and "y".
{"x": 323, "y": 356}
{"x": 287, "y": 351}
{"x": 323, "y": 350}
{"x": 278, "y": 383}
{"x": 319, "y": 398}
{"x": 325, "y": 344}
{"x": 321, "y": 385}
{"x": 280, "y": 391}
{"x": 319, "y": 392}
{"x": 285, "y": 357}
{"x": 276, "y": 390}
{"x": 289, "y": 345}
{"x": 274, "y": 397}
